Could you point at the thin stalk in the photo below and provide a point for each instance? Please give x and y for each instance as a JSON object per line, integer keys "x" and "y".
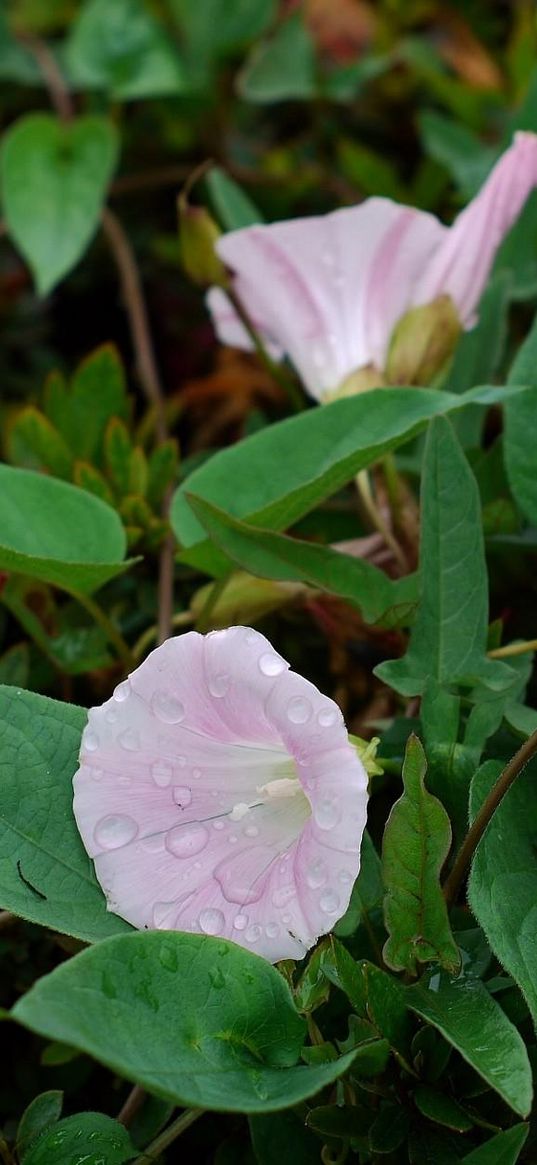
{"x": 132, "y": 1105}
{"x": 112, "y": 633}
{"x": 375, "y": 517}
{"x": 167, "y": 1136}
{"x": 286, "y": 382}
{"x": 60, "y": 97}
{"x": 509, "y": 775}
{"x": 511, "y": 649}
{"x": 203, "y": 622}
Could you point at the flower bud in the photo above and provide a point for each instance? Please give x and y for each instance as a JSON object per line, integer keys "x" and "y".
{"x": 198, "y": 234}
{"x": 422, "y": 343}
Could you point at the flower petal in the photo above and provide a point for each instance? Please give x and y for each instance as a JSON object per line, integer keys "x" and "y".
{"x": 462, "y": 263}
{"x": 218, "y": 792}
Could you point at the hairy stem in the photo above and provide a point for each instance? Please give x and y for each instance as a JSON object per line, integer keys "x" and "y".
{"x": 475, "y": 833}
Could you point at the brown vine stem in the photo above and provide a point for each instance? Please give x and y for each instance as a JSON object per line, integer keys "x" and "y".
{"x": 131, "y": 285}
{"x": 132, "y": 1105}
{"x": 60, "y": 97}
{"x": 509, "y": 775}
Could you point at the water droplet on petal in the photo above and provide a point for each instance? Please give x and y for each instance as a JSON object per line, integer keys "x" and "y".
{"x": 218, "y": 824}
{"x": 329, "y": 902}
{"x": 129, "y": 740}
{"x": 167, "y": 708}
{"x": 239, "y": 811}
{"x": 251, "y": 831}
{"x": 271, "y": 665}
{"x": 326, "y": 813}
{"x": 328, "y": 716}
{"x": 233, "y": 838}
{"x": 317, "y": 874}
{"x": 182, "y": 796}
{"x": 124, "y": 782}
{"x": 219, "y": 685}
{"x": 96, "y": 774}
{"x": 212, "y": 921}
{"x": 90, "y": 740}
{"x": 272, "y": 930}
{"x": 111, "y": 716}
{"x": 196, "y": 773}
{"x": 298, "y": 710}
{"x": 253, "y": 934}
{"x": 344, "y": 877}
{"x": 122, "y": 692}
{"x": 184, "y": 841}
{"x": 162, "y": 774}
{"x": 240, "y": 921}
{"x": 284, "y": 895}
{"x": 180, "y": 761}
{"x": 114, "y": 831}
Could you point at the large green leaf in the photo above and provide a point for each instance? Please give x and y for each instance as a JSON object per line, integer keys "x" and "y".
{"x": 449, "y": 638}
{"x": 89, "y": 1138}
{"x": 232, "y": 207}
{"x": 503, "y": 1149}
{"x": 54, "y": 177}
{"x": 120, "y": 47}
{"x": 416, "y": 843}
{"x": 214, "y": 29}
{"x": 194, "y": 1019}
{"x": 521, "y": 428}
{"x": 270, "y": 555}
{"x": 287, "y": 468}
{"x": 472, "y": 1022}
{"x": 503, "y": 881}
{"x": 45, "y": 872}
{"x": 57, "y": 532}
{"x": 275, "y": 1138}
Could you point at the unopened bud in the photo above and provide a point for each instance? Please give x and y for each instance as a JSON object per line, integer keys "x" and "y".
{"x": 422, "y": 343}
{"x": 245, "y": 599}
{"x": 361, "y": 380}
{"x": 198, "y": 235}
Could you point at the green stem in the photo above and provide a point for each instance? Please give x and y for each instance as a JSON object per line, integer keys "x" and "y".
{"x": 203, "y": 622}
{"x": 286, "y": 382}
{"x": 167, "y": 1136}
{"x": 111, "y": 631}
{"x": 375, "y": 517}
{"x": 482, "y": 819}
{"x": 511, "y": 649}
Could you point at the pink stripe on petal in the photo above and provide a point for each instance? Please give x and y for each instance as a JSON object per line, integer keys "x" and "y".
{"x": 218, "y": 793}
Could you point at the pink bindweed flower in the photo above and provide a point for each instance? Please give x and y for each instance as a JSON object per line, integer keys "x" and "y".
{"x": 218, "y": 793}
{"x": 328, "y": 290}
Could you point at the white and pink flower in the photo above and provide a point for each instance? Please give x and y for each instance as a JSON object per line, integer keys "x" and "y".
{"x": 218, "y": 793}
{"x": 328, "y": 290}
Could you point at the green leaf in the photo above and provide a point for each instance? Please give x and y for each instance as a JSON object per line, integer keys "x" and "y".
{"x": 212, "y": 29}
{"x": 34, "y": 443}
{"x": 120, "y": 47}
{"x": 472, "y": 1022}
{"x": 17, "y": 63}
{"x": 519, "y": 437}
{"x": 57, "y": 532}
{"x": 97, "y": 392}
{"x": 449, "y": 638}
{"x": 367, "y": 892}
{"x": 415, "y": 846}
{"x": 340, "y": 1121}
{"x": 15, "y": 665}
{"x": 228, "y": 1041}
{"x": 281, "y": 1137}
{"x": 232, "y": 207}
{"x": 89, "y": 1137}
{"x": 45, "y": 873}
{"x": 502, "y": 888}
{"x": 54, "y": 177}
{"x": 441, "y": 1108}
{"x": 454, "y": 146}
{"x": 268, "y": 555}
{"x": 43, "y": 1111}
{"x": 503, "y": 1149}
{"x": 282, "y": 68}
{"x": 374, "y": 996}
{"x": 285, "y": 469}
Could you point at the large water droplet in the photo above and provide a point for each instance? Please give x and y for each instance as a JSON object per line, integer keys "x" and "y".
{"x": 316, "y": 875}
{"x": 344, "y": 877}
{"x": 162, "y": 774}
{"x": 299, "y": 710}
{"x": 271, "y": 665}
{"x": 167, "y": 708}
{"x": 90, "y": 740}
{"x": 184, "y": 841}
{"x": 326, "y": 813}
{"x": 329, "y": 902}
{"x": 253, "y": 934}
{"x": 328, "y": 716}
{"x": 284, "y": 895}
{"x": 219, "y": 685}
{"x": 129, "y": 740}
{"x": 182, "y": 796}
{"x": 239, "y": 811}
{"x": 114, "y": 831}
{"x": 212, "y": 921}
{"x": 122, "y": 692}
{"x": 240, "y": 884}
{"x": 272, "y": 930}
{"x": 240, "y": 922}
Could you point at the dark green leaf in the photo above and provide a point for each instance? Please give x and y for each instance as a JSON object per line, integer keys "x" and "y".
{"x": 471, "y": 1020}
{"x": 276, "y": 1137}
{"x": 282, "y": 68}
{"x": 89, "y": 1137}
{"x": 120, "y": 47}
{"x": 441, "y": 1108}
{"x": 389, "y": 1129}
{"x": 454, "y": 146}
{"x": 97, "y": 392}
{"x": 54, "y": 178}
{"x": 228, "y": 1041}
{"x": 374, "y": 995}
{"x": 57, "y": 532}
{"x": 367, "y": 892}
{"x": 503, "y": 1149}
{"x": 43, "y": 1111}
{"x": 34, "y": 443}
{"x": 45, "y": 873}
{"x": 519, "y": 438}
{"x": 503, "y": 881}
{"x": 213, "y": 29}
{"x": 233, "y": 208}
{"x": 331, "y": 1120}
{"x": 416, "y": 843}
